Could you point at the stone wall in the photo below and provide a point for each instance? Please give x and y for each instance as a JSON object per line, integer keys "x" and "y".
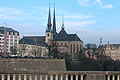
{"x": 32, "y": 64}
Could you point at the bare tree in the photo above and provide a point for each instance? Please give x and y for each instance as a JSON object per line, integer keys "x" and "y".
{"x": 90, "y": 46}
{"x": 91, "y": 49}
{"x": 36, "y": 51}
{"x": 22, "y": 49}
{"x": 53, "y": 49}
{"x": 14, "y": 50}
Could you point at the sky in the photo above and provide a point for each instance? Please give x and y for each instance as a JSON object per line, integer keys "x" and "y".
{"x": 89, "y": 19}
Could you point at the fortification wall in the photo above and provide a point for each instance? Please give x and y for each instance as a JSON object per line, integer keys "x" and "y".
{"x": 32, "y": 64}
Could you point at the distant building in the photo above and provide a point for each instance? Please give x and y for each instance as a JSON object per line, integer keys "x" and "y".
{"x": 12, "y": 39}
{"x": 33, "y": 46}
{"x": 69, "y": 44}
{"x": 112, "y": 50}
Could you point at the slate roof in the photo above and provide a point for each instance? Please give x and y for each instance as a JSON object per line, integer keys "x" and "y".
{"x": 63, "y": 36}
{"x": 8, "y": 30}
{"x": 40, "y": 40}
{"x": 113, "y": 46}
{"x": 18, "y": 64}
{"x": 33, "y": 40}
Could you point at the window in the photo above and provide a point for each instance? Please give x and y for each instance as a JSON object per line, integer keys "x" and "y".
{"x": 1, "y": 35}
{"x": 7, "y": 33}
{"x": 71, "y": 49}
{"x": 11, "y": 40}
{"x": 11, "y": 33}
{"x": 74, "y": 48}
{"x": 16, "y": 37}
{"x": 77, "y": 50}
{"x": 11, "y": 36}
{"x": 16, "y": 33}
{"x": 80, "y": 46}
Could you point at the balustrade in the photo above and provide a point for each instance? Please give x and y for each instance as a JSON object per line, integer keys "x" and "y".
{"x": 113, "y": 77}
{"x": 66, "y": 77}
{"x": 118, "y": 77}
{"x": 25, "y": 76}
{"x": 30, "y": 77}
{"x": 71, "y": 77}
{"x": 55, "y": 76}
{"x": 46, "y": 77}
{"x": 81, "y": 77}
{"x": 41, "y": 77}
{"x": 108, "y": 77}
{"x": 19, "y": 77}
{"x": 3, "y": 77}
{"x": 8, "y": 77}
{"x": 61, "y": 77}
{"x": 76, "y": 77}
{"x": 14, "y": 77}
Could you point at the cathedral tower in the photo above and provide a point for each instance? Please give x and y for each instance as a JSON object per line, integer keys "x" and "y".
{"x": 54, "y": 21}
{"x": 49, "y": 32}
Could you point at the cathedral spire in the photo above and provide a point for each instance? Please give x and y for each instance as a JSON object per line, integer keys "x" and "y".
{"x": 49, "y": 21}
{"x": 63, "y": 22}
{"x": 54, "y": 21}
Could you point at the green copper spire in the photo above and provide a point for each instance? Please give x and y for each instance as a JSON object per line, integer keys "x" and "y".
{"x": 63, "y": 22}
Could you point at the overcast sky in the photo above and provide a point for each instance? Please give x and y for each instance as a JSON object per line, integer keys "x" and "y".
{"x": 90, "y": 19}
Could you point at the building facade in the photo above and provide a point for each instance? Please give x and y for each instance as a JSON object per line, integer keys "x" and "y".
{"x": 112, "y": 50}
{"x": 12, "y": 40}
{"x": 69, "y": 44}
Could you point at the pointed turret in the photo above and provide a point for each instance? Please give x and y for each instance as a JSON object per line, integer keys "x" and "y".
{"x": 54, "y": 21}
{"x": 63, "y": 22}
{"x": 49, "y": 21}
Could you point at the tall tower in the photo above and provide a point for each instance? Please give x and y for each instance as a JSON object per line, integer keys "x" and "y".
{"x": 49, "y": 33}
{"x": 101, "y": 44}
{"x": 5, "y": 40}
{"x": 49, "y": 21}
{"x": 54, "y": 21}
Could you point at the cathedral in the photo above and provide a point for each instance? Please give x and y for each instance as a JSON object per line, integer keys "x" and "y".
{"x": 69, "y": 44}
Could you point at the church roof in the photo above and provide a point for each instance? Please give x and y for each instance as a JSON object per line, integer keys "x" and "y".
{"x": 33, "y": 40}
{"x": 63, "y": 36}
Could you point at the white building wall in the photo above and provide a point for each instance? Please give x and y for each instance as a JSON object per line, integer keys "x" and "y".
{"x": 11, "y": 41}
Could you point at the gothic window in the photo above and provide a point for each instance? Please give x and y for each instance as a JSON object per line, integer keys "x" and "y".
{"x": 74, "y": 48}
{"x": 80, "y": 46}
{"x": 77, "y": 49}
{"x": 71, "y": 49}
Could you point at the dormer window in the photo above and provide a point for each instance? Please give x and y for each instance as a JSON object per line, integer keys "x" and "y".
{"x": 7, "y": 33}
{"x": 16, "y": 33}
{"x": 11, "y": 33}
